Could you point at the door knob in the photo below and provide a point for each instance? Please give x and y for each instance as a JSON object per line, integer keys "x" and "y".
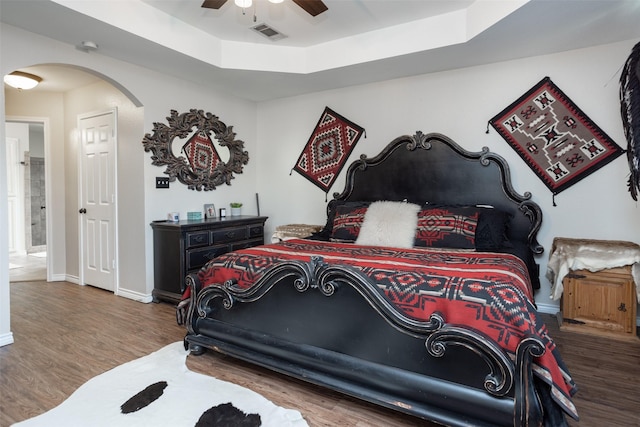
{"x": 83, "y": 211}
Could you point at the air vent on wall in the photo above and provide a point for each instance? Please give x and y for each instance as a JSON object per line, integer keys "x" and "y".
{"x": 269, "y": 32}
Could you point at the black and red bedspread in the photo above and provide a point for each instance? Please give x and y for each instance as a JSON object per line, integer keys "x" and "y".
{"x": 489, "y": 292}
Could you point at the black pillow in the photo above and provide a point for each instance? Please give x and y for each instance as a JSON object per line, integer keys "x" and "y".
{"x": 491, "y": 232}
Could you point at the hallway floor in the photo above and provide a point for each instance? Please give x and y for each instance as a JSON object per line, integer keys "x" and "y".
{"x": 26, "y": 268}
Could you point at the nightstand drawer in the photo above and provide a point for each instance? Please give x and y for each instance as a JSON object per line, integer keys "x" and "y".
{"x": 604, "y": 300}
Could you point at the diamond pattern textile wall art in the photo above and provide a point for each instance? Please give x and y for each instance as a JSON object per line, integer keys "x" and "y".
{"x": 201, "y": 153}
{"x": 328, "y": 149}
{"x": 554, "y": 137}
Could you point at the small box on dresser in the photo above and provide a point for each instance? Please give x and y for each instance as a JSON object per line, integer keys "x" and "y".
{"x": 181, "y": 248}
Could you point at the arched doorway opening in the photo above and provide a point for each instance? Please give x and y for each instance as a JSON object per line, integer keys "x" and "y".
{"x": 65, "y": 93}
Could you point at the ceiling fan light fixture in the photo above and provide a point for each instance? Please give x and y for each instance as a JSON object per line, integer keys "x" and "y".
{"x": 243, "y": 3}
{"x": 21, "y": 80}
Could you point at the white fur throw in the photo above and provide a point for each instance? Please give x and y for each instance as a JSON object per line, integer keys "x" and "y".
{"x": 594, "y": 255}
{"x": 389, "y": 224}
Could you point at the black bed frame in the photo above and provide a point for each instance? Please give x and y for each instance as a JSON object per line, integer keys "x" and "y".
{"x": 326, "y": 324}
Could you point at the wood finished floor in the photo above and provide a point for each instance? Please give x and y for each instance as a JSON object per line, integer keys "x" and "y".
{"x": 66, "y": 334}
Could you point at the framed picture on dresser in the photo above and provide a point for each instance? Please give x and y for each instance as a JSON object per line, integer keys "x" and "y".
{"x": 209, "y": 211}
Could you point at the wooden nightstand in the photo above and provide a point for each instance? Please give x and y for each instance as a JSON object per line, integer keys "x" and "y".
{"x": 294, "y": 231}
{"x": 600, "y": 302}
{"x": 598, "y": 291}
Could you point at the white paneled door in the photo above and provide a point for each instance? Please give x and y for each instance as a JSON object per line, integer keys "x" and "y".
{"x": 97, "y": 199}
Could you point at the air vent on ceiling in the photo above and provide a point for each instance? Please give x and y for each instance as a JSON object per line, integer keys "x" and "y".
{"x": 269, "y": 32}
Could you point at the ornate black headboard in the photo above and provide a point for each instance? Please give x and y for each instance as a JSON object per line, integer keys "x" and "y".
{"x": 433, "y": 169}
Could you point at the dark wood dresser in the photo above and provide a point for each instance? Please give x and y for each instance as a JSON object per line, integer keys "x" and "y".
{"x": 181, "y": 248}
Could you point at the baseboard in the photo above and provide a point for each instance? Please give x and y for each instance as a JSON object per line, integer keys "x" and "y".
{"x": 71, "y": 279}
{"x": 59, "y": 278}
{"x": 548, "y": 308}
{"x": 6, "y": 339}
{"x": 136, "y": 296}
{"x": 126, "y": 293}
{"x": 554, "y": 309}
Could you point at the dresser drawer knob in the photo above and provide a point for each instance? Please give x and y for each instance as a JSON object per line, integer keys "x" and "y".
{"x": 622, "y": 307}
{"x": 231, "y": 234}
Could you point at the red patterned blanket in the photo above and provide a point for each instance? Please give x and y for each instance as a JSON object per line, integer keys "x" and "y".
{"x": 490, "y": 292}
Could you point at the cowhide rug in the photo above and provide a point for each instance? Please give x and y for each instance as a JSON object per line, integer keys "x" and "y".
{"x": 159, "y": 390}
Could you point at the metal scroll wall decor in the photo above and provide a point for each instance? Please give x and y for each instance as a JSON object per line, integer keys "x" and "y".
{"x": 201, "y": 167}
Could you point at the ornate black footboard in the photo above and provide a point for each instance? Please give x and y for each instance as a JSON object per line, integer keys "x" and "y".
{"x": 326, "y": 324}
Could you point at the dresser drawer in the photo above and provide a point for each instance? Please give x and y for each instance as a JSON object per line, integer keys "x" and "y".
{"x": 196, "y": 258}
{"x": 228, "y": 235}
{"x": 197, "y": 238}
{"x": 256, "y": 231}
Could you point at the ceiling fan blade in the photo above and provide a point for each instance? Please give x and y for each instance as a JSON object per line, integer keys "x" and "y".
{"x": 213, "y": 4}
{"x": 312, "y": 7}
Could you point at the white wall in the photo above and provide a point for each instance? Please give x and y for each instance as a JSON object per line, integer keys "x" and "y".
{"x": 459, "y": 104}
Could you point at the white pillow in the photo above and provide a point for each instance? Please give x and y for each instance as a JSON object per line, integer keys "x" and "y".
{"x": 389, "y": 224}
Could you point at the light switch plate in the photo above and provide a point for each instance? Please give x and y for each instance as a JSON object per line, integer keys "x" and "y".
{"x": 162, "y": 182}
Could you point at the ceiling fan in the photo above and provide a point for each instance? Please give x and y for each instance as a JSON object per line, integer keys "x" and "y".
{"x": 312, "y": 7}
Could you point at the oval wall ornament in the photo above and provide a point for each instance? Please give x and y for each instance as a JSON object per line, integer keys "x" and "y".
{"x": 202, "y": 163}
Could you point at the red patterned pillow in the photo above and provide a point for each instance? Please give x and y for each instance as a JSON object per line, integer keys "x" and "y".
{"x": 347, "y": 222}
{"x": 447, "y": 227}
